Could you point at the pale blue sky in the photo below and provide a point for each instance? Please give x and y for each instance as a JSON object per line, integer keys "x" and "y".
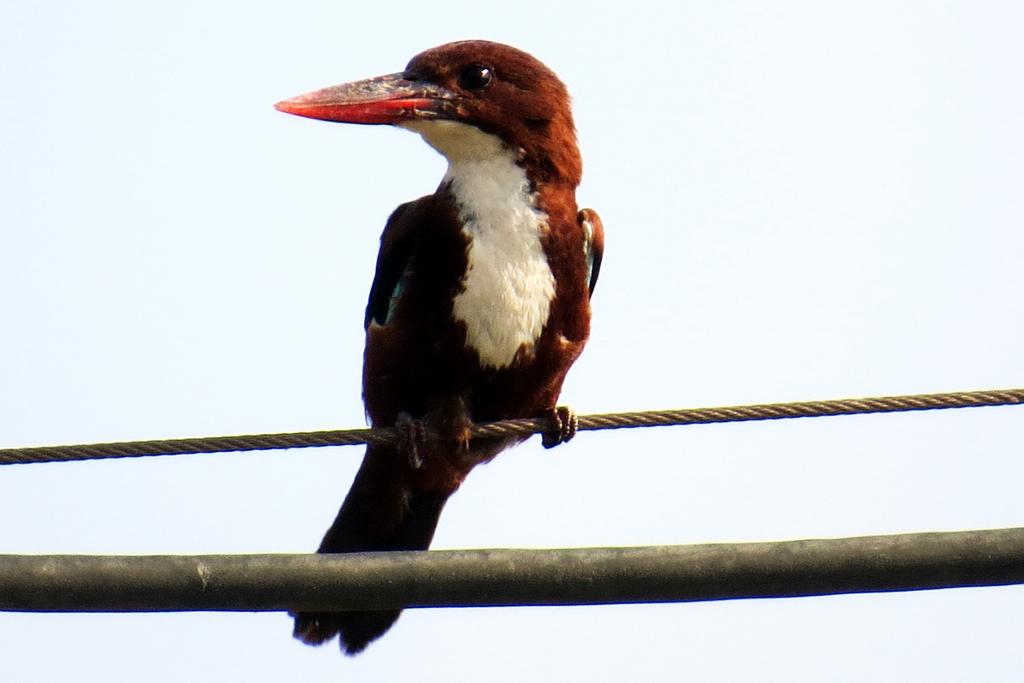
{"x": 803, "y": 200}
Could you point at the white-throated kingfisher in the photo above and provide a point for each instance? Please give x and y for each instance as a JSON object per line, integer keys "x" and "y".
{"x": 481, "y": 298}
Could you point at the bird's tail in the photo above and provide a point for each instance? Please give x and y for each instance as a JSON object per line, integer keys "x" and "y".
{"x": 379, "y": 513}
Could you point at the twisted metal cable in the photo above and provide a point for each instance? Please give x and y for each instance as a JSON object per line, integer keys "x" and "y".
{"x": 523, "y": 427}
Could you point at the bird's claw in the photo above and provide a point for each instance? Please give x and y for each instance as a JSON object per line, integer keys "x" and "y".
{"x": 564, "y": 423}
{"x": 412, "y": 437}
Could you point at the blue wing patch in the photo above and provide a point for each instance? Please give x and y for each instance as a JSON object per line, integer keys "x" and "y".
{"x": 396, "y": 294}
{"x": 593, "y": 244}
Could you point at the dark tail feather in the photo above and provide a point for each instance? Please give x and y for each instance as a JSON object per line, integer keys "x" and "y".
{"x": 379, "y": 513}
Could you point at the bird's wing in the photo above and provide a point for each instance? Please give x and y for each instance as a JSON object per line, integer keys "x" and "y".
{"x": 396, "y": 247}
{"x": 593, "y": 232}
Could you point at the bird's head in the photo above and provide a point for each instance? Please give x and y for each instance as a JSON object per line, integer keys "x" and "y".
{"x": 466, "y": 99}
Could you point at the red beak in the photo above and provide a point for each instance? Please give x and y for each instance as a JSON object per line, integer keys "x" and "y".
{"x": 384, "y": 99}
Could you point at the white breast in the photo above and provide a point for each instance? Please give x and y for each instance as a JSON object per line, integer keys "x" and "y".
{"x": 508, "y": 286}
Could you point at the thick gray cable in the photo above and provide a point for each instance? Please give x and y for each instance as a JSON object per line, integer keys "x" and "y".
{"x": 582, "y": 576}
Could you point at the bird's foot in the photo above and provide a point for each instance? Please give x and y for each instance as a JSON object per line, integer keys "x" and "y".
{"x": 451, "y": 424}
{"x": 412, "y": 438}
{"x": 564, "y": 423}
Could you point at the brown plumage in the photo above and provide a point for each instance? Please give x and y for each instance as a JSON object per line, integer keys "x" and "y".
{"x": 504, "y": 221}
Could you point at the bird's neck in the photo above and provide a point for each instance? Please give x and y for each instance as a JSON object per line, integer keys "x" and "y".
{"x": 508, "y": 285}
{"x": 494, "y": 197}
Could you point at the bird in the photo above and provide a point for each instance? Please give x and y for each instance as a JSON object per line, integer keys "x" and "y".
{"x": 480, "y": 301}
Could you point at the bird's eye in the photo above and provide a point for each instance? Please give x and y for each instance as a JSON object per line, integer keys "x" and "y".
{"x": 476, "y": 77}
